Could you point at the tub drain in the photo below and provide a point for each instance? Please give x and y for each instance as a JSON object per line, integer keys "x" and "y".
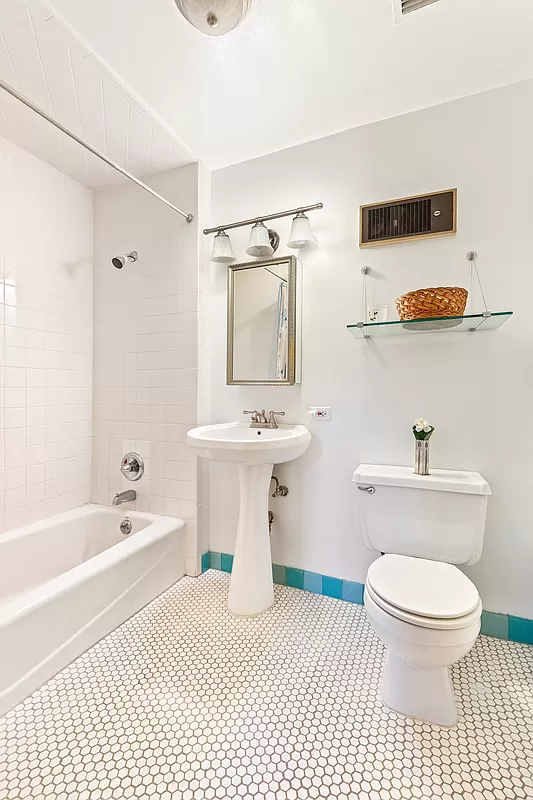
{"x": 125, "y": 526}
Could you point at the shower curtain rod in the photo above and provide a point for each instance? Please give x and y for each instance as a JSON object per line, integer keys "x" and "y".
{"x": 275, "y": 274}
{"x": 13, "y": 92}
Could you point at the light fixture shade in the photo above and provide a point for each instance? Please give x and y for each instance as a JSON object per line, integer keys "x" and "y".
{"x": 259, "y": 245}
{"x": 301, "y": 232}
{"x": 214, "y": 17}
{"x": 222, "y": 252}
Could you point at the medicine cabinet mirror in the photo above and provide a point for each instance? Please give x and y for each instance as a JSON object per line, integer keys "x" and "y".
{"x": 264, "y": 310}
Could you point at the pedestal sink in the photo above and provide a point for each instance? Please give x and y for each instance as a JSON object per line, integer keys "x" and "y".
{"x": 255, "y": 450}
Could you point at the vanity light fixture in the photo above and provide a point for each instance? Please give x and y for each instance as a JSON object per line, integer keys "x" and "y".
{"x": 301, "y": 232}
{"x": 264, "y": 241}
{"x": 259, "y": 245}
{"x": 222, "y": 252}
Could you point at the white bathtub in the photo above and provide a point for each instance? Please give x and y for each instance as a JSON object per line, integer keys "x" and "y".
{"x": 71, "y": 579}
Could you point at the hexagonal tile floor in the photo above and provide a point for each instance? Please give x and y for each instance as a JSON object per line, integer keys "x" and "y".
{"x": 185, "y": 701}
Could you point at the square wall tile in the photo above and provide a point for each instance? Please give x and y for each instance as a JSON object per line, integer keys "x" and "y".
{"x": 332, "y": 587}
{"x": 294, "y": 577}
{"x": 215, "y": 560}
{"x": 353, "y": 592}
{"x": 279, "y": 574}
{"x": 226, "y": 562}
{"x": 495, "y": 624}
{"x": 521, "y": 630}
{"x": 312, "y": 582}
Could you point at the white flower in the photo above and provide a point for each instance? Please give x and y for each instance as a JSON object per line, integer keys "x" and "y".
{"x": 421, "y": 425}
{"x": 427, "y": 428}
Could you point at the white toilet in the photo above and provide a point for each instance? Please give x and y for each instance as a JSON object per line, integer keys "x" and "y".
{"x": 421, "y": 606}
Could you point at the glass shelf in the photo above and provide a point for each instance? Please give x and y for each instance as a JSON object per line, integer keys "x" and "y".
{"x": 469, "y": 323}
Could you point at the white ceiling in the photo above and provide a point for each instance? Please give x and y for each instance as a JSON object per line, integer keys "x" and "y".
{"x": 45, "y": 61}
{"x": 297, "y": 70}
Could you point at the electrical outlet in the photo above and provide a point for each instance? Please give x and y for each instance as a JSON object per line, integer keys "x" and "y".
{"x": 320, "y": 413}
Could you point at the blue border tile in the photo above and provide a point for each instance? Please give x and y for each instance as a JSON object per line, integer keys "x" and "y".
{"x": 353, "y": 592}
{"x": 332, "y": 587}
{"x": 521, "y": 630}
{"x": 515, "y": 629}
{"x": 493, "y": 624}
{"x": 226, "y": 562}
{"x": 215, "y": 560}
{"x": 312, "y": 582}
{"x": 294, "y": 577}
{"x": 279, "y": 574}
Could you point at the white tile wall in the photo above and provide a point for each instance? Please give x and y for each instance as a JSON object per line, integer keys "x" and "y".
{"x": 45, "y": 339}
{"x": 146, "y": 347}
{"x": 42, "y": 56}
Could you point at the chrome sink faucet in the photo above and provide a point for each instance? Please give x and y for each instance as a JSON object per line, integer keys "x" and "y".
{"x": 124, "y": 497}
{"x": 260, "y": 420}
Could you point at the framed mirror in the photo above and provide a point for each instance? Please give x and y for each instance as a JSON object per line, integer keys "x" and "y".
{"x": 263, "y": 322}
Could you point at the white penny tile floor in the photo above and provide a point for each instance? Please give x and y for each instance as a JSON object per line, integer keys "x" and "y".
{"x": 186, "y": 702}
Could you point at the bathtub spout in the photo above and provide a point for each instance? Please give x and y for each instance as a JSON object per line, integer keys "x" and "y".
{"x": 124, "y": 497}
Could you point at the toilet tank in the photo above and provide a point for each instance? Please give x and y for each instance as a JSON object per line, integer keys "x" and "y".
{"x": 439, "y": 516}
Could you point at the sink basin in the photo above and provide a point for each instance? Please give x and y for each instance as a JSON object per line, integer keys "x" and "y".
{"x": 236, "y": 441}
{"x": 255, "y": 450}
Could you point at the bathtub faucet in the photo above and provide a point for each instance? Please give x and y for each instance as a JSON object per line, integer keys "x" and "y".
{"x": 124, "y": 497}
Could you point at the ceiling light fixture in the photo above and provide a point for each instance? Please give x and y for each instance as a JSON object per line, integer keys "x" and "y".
{"x": 222, "y": 252}
{"x": 214, "y": 17}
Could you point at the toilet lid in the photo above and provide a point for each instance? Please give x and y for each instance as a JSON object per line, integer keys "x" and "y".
{"x": 422, "y": 587}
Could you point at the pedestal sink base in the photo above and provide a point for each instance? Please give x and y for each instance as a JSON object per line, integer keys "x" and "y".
{"x": 251, "y": 590}
{"x": 255, "y": 450}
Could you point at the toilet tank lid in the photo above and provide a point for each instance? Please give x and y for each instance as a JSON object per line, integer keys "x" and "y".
{"x": 440, "y": 480}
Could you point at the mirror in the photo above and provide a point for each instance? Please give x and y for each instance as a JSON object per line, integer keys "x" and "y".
{"x": 263, "y": 328}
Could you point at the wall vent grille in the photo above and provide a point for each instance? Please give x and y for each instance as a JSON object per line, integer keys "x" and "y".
{"x": 409, "y": 218}
{"x": 414, "y": 5}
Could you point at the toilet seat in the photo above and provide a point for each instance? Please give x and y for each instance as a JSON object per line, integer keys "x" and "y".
{"x": 429, "y": 594}
{"x": 433, "y": 623}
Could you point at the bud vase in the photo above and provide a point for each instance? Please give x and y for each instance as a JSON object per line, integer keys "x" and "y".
{"x": 421, "y": 456}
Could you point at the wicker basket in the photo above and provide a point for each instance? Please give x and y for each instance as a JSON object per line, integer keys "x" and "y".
{"x": 444, "y": 301}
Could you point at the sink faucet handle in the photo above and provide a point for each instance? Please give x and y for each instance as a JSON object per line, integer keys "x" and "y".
{"x": 272, "y": 416}
{"x": 256, "y": 416}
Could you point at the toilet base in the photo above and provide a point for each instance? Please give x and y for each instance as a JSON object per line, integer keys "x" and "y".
{"x": 420, "y": 692}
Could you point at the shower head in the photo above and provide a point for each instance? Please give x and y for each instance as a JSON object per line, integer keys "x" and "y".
{"x": 119, "y": 261}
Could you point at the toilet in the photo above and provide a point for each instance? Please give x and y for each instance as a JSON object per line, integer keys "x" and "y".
{"x": 424, "y": 609}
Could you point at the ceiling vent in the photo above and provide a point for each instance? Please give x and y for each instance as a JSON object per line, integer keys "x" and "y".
{"x": 409, "y": 218}
{"x": 402, "y": 8}
{"x": 413, "y": 5}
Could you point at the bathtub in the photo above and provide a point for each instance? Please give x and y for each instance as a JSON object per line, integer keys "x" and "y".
{"x": 69, "y": 580}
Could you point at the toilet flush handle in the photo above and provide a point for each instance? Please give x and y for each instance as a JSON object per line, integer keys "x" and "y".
{"x": 369, "y": 489}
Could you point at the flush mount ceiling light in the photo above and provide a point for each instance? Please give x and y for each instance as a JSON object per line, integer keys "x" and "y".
{"x": 214, "y": 17}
